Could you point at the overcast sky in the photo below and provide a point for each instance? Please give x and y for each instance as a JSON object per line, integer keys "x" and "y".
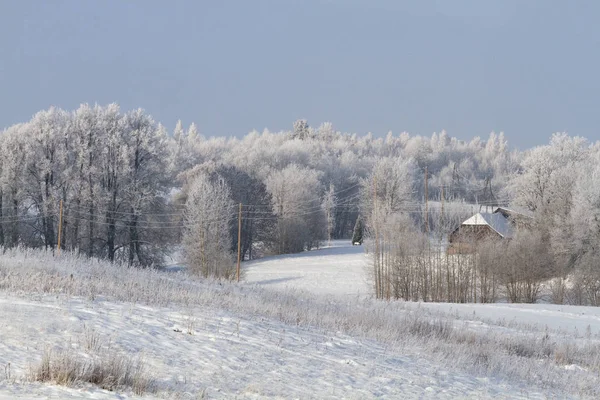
{"x": 528, "y": 68}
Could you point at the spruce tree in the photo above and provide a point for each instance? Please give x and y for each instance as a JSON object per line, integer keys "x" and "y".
{"x": 357, "y": 236}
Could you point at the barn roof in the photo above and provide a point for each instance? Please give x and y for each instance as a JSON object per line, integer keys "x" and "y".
{"x": 498, "y": 222}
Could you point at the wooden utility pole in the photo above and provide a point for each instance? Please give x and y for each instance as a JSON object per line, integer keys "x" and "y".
{"x": 442, "y": 203}
{"x": 328, "y": 226}
{"x": 426, "y": 203}
{"x": 375, "y": 226}
{"x": 239, "y": 243}
{"x": 329, "y": 200}
{"x": 60, "y": 225}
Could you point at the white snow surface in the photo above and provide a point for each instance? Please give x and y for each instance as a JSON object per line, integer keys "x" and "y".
{"x": 340, "y": 270}
{"x": 569, "y": 320}
{"x": 227, "y": 354}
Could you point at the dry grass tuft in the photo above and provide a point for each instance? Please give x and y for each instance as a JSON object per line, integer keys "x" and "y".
{"x": 110, "y": 372}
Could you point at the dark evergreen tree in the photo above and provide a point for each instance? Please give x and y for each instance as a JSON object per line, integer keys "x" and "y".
{"x": 357, "y": 236}
{"x": 257, "y": 223}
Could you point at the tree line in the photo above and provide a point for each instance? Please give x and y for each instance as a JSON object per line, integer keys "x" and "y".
{"x": 135, "y": 192}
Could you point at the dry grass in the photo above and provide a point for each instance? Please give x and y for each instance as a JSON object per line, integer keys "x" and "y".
{"x": 97, "y": 363}
{"x": 110, "y": 372}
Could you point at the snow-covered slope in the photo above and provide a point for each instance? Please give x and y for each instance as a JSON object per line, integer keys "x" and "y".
{"x": 227, "y": 355}
{"x": 343, "y": 269}
{"x": 340, "y": 269}
{"x": 267, "y": 340}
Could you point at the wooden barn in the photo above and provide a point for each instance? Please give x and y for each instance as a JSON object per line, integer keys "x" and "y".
{"x": 500, "y": 224}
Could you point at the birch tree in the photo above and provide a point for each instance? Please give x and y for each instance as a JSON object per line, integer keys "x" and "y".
{"x": 206, "y": 239}
{"x": 329, "y": 203}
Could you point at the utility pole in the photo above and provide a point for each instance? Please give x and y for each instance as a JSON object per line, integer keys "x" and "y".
{"x": 426, "y": 203}
{"x": 280, "y": 228}
{"x": 442, "y": 202}
{"x": 441, "y": 228}
{"x": 328, "y": 205}
{"x": 239, "y": 242}
{"x": 375, "y": 226}
{"x": 328, "y": 226}
{"x": 60, "y": 218}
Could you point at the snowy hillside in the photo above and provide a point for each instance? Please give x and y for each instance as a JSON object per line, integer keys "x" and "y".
{"x": 226, "y": 355}
{"x": 340, "y": 269}
{"x": 344, "y": 270}
{"x": 207, "y": 339}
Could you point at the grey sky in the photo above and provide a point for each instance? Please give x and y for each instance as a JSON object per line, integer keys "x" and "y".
{"x": 528, "y": 68}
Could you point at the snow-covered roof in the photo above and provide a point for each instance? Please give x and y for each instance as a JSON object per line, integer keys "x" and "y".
{"x": 515, "y": 210}
{"x": 496, "y": 221}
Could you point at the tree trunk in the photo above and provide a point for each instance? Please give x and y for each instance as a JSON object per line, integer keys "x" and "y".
{"x": 15, "y": 225}
{"x": 76, "y": 241}
{"x": 49, "y": 224}
{"x": 1, "y": 224}
{"x": 134, "y": 250}
{"x": 111, "y": 232}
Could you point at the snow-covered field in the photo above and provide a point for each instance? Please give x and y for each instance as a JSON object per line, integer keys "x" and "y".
{"x": 342, "y": 270}
{"x": 302, "y": 327}
{"x": 227, "y": 355}
{"x": 339, "y": 270}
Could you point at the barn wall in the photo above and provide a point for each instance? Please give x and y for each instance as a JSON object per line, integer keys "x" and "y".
{"x": 465, "y": 238}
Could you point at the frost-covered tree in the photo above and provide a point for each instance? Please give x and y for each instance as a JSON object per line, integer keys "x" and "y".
{"x": 144, "y": 147}
{"x": 301, "y": 130}
{"x": 390, "y": 185}
{"x": 101, "y": 164}
{"x": 586, "y": 207}
{"x": 13, "y": 183}
{"x": 329, "y": 203}
{"x": 44, "y": 163}
{"x": 529, "y": 265}
{"x": 549, "y": 174}
{"x": 296, "y": 202}
{"x": 178, "y": 133}
{"x": 206, "y": 240}
{"x": 546, "y": 187}
{"x": 386, "y": 203}
{"x": 585, "y": 217}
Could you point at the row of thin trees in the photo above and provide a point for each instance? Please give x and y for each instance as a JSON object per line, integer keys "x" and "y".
{"x": 414, "y": 266}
